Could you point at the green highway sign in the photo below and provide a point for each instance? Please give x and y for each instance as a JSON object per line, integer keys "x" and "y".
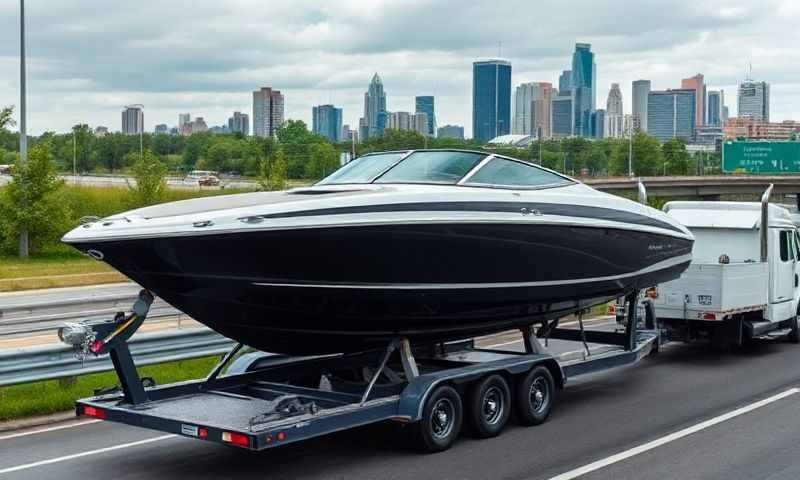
{"x": 760, "y": 157}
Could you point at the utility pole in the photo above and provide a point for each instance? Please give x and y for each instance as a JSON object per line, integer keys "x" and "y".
{"x": 23, "y": 131}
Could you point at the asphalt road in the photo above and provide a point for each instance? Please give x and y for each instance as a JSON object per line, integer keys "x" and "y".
{"x": 686, "y": 413}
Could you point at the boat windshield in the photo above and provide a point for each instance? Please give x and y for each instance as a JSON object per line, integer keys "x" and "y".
{"x": 432, "y": 167}
{"x": 363, "y": 169}
{"x": 445, "y": 168}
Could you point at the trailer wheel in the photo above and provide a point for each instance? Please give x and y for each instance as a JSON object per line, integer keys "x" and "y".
{"x": 534, "y": 396}
{"x": 794, "y": 333}
{"x": 441, "y": 420}
{"x": 489, "y": 406}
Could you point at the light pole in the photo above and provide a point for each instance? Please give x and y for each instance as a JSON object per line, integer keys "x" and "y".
{"x": 630, "y": 149}
{"x": 74, "y": 156}
{"x": 23, "y": 131}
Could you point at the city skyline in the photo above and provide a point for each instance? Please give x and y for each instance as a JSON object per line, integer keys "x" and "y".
{"x": 330, "y": 58}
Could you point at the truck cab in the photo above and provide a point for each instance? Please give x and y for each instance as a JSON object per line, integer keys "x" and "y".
{"x": 743, "y": 281}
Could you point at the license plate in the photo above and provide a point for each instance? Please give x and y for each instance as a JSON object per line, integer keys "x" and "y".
{"x": 190, "y": 430}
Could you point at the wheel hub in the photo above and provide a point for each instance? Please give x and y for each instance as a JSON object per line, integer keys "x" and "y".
{"x": 492, "y": 405}
{"x": 442, "y": 418}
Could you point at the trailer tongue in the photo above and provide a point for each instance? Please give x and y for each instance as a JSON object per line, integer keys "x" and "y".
{"x": 256, "y": 400}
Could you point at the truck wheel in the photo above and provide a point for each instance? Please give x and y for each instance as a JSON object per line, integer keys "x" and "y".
{"x": 794, "y": 334}
{"x": 441, "y": 420}
{"x": 534, "y": 396}
{"x": 489, "y": 406}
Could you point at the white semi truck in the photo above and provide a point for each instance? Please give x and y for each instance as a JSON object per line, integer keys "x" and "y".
{"x": 743, "y": 280}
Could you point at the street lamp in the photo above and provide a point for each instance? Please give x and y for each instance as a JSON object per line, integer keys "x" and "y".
{"x": 23, "y": 132}
{"x": 630, "y": 148}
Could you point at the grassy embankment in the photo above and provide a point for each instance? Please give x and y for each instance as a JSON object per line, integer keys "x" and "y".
{"x": 61, "y": 266}
{"x": 54, "y": 396}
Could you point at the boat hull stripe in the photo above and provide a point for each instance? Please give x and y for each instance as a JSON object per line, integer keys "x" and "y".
{"x": 581, "y": 211}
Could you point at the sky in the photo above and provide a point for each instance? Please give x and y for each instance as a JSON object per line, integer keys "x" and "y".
{"x": 88, "y": 58}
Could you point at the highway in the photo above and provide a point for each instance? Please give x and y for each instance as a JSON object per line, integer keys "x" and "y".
{"x": 686, "y": 413}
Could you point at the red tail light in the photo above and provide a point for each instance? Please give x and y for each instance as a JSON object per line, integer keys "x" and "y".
{"x": 94, "y": 412}
{"x": 234, "y": 438}
{"x": 202, "y": 433}
{"x": 709, "y": 316}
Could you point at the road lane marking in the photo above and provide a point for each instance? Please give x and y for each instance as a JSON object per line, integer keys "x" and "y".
{"x": 84, "y": 454}
{"x": 591, "y": 467}
{"x": 49, "y": 429}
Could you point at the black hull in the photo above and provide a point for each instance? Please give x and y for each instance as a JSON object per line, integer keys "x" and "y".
{"x": 327, "y": 290}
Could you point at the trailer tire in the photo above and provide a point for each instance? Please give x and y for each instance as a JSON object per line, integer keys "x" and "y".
{"x": 441, "y": 420}
{"x": 488, "y": 406}
{"x": 794, "y": 333}
{"x": 534, "y": 396}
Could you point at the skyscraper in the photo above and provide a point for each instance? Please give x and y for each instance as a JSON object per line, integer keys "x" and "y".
{"x": 714, "y": 101}
{"x": 161, "y": 129}
{"x": 565, "y": 83}
{"x": 267, "y": 112}
{"x": 541, "y": 114}
{"x": 753, "y": 100}
{"x": 239, "y": 122}
{"x": 425, "y": 104}
{"x": 327, "y": 121}
{"x": 373, "y": 122}
{"x": 132, "y": 120}
{"x": 584, "y": 74}
{"x": 671, "y": 114}
{"x": 599, "y": 120}
{"x": 697, "y": 84}
{"x": 524, "y": 95}
{"x": 419, "y": 123}
{"x": 641, "y": 89}
{"x": 563, "y": 122}
{"x": 183, "y": 119}
{"x": 614, "y": 117}
{"x": 491, "y": 99}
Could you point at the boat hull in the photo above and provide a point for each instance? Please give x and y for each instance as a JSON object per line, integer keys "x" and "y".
{"x": 341, "y": 289}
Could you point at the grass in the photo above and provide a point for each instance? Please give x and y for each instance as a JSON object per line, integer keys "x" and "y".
{"x": 55, "y": 396}
{"x": 58, "y": 267}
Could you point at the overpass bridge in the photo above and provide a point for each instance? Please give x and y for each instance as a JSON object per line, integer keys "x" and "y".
{"x": 707, "y": 187}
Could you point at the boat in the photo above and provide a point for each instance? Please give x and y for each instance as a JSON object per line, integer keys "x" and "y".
{"x": 428, "y": 245}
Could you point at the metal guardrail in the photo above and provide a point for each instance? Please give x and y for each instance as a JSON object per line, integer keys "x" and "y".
{"x": 51, "y": 362}
{"x": 48, "y": 315}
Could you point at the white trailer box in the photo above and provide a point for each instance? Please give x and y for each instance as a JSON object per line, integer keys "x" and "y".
{"x": 743, "y": 281}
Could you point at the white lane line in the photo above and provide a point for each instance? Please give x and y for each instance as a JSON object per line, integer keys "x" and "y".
{"x": 84, "y": 454}
{"x": 49, "y": 429}
{"x": 672, "y": 437}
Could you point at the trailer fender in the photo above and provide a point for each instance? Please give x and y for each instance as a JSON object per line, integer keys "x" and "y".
{"x": 243, "y": 363}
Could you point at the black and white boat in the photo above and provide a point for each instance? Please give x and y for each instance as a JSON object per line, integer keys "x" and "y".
{"x": 430, "y": 245}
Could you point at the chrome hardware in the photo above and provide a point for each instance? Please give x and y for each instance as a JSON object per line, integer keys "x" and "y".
{"x": 204, "y": 223}
{"x": 253, "y": 219}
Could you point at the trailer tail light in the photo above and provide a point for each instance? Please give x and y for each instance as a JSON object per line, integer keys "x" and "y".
{"x": 202, "y": 433}
{"x": 709, "y": 316}
{"x": 280, "y": 436}
{"x": 237, "y": 439}
{"x": 94, "y": 412}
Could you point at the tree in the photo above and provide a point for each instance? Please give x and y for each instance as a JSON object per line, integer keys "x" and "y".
{"x": 272, "y": 175}
{"x": 33, "y": 201}
{"x": 5, "y": 117}
{"x": 647, "y": 156}
{"x": 393, "y": 140}
{"x": 676, "y": 158}
{"x": 324, "y": 160}
{"x": 149, "y": 173}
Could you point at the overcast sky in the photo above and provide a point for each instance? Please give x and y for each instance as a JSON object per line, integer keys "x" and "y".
{"x": 87, "y": 58}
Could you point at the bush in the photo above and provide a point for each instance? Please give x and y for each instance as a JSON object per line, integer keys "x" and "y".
{"x": 34, "y": 201}
{"x": 151, "y": 184}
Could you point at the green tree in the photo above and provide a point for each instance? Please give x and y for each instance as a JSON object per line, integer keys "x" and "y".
{"x": 324, "y": 160}
{"x": 647, "y": 156}
{"x": 5, "y": 117}
{"x": 33, "y": 201}
{"x": 149, "y": 173}
{"x": 676, "y": 159}
{"x": 272, "y": 174}
{"x": 393, "y": 140}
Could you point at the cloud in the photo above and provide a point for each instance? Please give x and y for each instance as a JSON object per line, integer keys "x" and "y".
{"x": 87, "y": 58}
